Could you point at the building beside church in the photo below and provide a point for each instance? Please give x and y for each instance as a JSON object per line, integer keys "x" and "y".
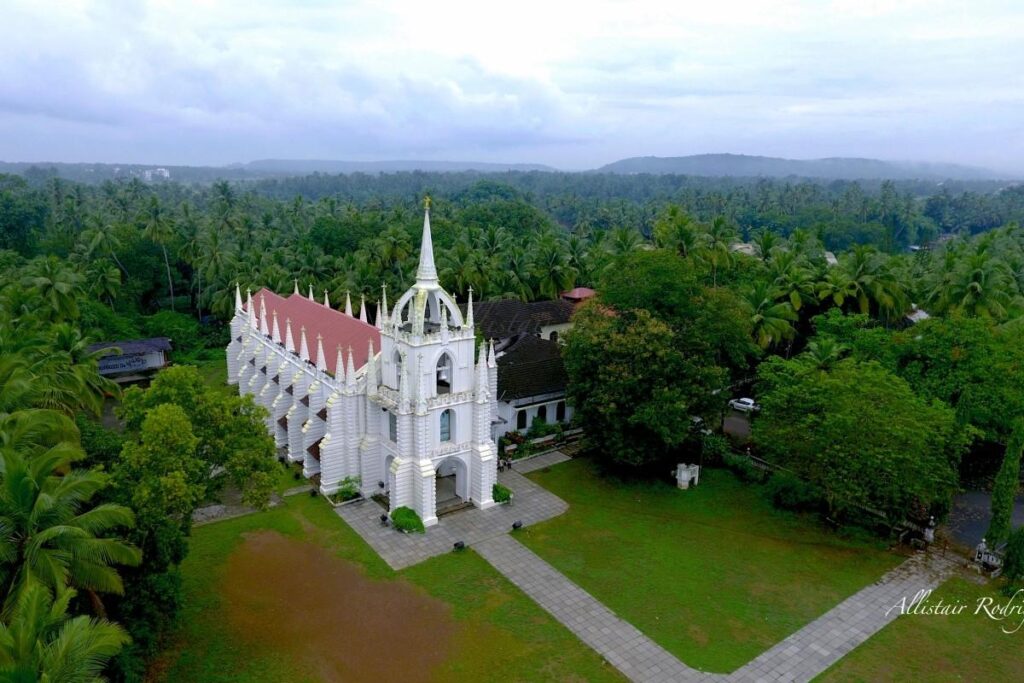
{"x": 404, "y": 406}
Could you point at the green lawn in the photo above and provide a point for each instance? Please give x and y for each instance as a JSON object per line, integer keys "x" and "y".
{"x": 714, "y": 574}
{"x": 963, "y": 647}
{"x": 214, "y": 373}
{"x": 499, "y": 633}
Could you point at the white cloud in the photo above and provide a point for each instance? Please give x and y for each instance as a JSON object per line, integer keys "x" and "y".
{"x": 573, "y": 84}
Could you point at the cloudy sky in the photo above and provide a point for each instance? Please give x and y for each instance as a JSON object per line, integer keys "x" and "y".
{"x": 571, "y": 84}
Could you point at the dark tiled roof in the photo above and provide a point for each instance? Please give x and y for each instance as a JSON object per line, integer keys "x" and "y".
{"x": 531, "y": 366}
{"x": 509, "y": 318}
{"x": 135, "y": 345}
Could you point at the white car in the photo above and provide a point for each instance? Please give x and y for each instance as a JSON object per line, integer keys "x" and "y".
{"x": 744, "y": 405}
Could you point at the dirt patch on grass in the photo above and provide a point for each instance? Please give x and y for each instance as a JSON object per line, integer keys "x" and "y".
{"x": 300, "y": 600}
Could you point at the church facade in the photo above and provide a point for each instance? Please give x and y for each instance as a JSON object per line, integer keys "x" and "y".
{"x": 403, "y": 407}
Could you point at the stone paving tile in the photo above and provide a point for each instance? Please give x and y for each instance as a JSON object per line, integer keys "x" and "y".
{"x": 530, "y": 504}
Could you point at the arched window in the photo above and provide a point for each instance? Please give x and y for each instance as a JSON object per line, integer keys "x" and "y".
{"x": 444, "y": 374}
{"x": 521, "y": 419}
{"x": 397, "y": 362}
{"x": 554, "y": 336}
{"x": 560, "y": 411}
{"x": 447, "y": 417}
{"x": 542, "y": 413}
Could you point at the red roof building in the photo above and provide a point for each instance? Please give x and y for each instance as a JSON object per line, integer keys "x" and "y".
{"x": 336, "y": 328}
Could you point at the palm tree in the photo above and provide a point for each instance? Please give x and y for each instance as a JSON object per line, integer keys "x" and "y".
{"x": 159, "y": 229}
{"x": 771, "y": 321}
{"x": 766, "y": 240}
{"x": 676, "y": 230}
{"x": 717, "y": 246}
{"x": 823, "y": 353}
{"x": 552, "y": 272}
{"x": 41, "y": 642}
{"x": 100, "y": 237}
{"x": 47, "y": 537}
{"x": 57, "y": 285}
{"x": 979, "y": 286}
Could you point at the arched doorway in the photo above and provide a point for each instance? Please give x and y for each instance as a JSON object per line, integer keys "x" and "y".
{"x": 451, "y": 485}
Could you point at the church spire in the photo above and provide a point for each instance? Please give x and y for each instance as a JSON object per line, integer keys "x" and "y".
{"x": 276, "y": 333}
{"x": 469, "y": 309}
{"x": 426, "y": 274}
{"x": 250, "y": 310}
{"x": 238, "y": 298}
{"x": 289, "y": 338}
{"x": 362, "y": 307}
{"x": 321, "y": 359}
{"x": 296, "y": 281}
{"x": 339, "y": 365}
{"x": 311, "y": 298}
{"x": 348, "y": 304}
{"x": 264, "y": 330}
{"x": 303, "y": 346}
{"x": 383, "y": 303}
{"x": 371, "y": 371}
{"x": 482, "y": 382}
{"x": 327, "y": 299}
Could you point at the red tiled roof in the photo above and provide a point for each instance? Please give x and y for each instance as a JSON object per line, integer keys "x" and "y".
{"x": 336, "y": 327}
{"x": 579, "y": 293}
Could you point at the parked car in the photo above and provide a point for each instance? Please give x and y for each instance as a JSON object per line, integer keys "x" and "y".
{"x": 744, "y": 405}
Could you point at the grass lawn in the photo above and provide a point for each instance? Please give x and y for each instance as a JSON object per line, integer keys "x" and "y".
{"x": 214, "y": 373}
{"x": 493, "y": 632}
{"x": 715, "y": 574}
{"x": 963, "y": 647}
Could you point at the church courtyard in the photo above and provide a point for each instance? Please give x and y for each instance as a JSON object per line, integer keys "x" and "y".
{"x": 713, "y": 575}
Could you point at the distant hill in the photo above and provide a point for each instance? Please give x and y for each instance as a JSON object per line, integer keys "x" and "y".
{"x": 835, "y": 168}
{"x": 302, "y": 166}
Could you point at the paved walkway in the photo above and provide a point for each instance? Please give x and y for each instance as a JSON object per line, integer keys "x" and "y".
{"x": 800, "y": 657}
{"x": 530, "y": 504}
{"x": 619, "y": 642}
{"x": 824, "y": 641}
{"x": 539, "y": 462}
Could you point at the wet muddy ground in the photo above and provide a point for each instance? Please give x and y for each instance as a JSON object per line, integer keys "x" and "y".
{"x": 297, "y": 598}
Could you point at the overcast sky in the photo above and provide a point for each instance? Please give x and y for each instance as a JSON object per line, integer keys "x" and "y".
{"x": 571, "y": 84}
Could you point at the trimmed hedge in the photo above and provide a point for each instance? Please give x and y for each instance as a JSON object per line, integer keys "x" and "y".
{"x": 500, "y": 493}
{"x": 406, "y": 519}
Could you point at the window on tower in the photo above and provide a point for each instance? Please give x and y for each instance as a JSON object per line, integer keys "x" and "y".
{"x": 447, "y": 417}
{"x": 444, "y": 374}
{"x": 392, "y": 427}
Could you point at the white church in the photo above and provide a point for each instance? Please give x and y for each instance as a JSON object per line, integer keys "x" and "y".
{"x": 404, "y": 406}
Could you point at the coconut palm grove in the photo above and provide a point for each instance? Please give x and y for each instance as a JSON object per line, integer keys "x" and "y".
{"x": 878, "y": 327}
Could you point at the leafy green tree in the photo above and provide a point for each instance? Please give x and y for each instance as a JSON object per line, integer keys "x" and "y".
{"x": 160, "y": 477}
{"x": 771, "y": 321}
{"x": 1004, "y": 490}
{"x": 632, "y": 389}
{"x": 40, "y": 641}
{"x": 860, "y": 434}
{"x": 231, "y": 430}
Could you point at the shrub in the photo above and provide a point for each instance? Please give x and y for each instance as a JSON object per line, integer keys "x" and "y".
{"x": 500, "y": 493}
{"x": 541, "y": 428}
{"x": 1013, "y": 565}
{"x": 790, "y": 493}
{"x": 743, "y": 468}
{"x": 406, "y": 519}
{"x": 714, "y": 449}
{"x": 347, "y": 490}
